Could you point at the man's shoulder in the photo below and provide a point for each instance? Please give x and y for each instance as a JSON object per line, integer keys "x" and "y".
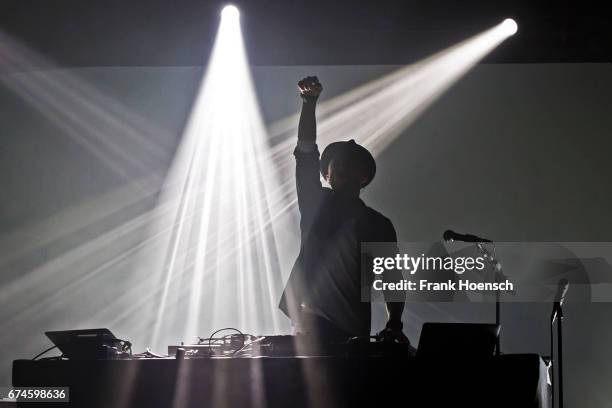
{"x": 374, "y": 214}
{"x": 380, "y": 226}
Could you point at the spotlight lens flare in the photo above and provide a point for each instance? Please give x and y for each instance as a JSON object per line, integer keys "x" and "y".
{"x": 510, "y": 26}
{"x": 230, "y": 12}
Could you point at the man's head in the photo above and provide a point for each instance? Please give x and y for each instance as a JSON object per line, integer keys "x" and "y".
{"x": 347, "y": 166}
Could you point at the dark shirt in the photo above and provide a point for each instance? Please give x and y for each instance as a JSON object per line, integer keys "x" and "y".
{"x": 326, "y": 278}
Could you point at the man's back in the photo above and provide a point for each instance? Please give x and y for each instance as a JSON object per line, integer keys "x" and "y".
{"x": 326, "y": 277}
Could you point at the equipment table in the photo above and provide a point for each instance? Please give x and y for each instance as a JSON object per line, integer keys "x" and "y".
{"x": 515, "y": 380}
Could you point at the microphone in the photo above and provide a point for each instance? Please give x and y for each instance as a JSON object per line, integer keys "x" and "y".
{"x": 559, "y": 298}
{"x": 450, "y": 236}
{"x": 561, "y": 291}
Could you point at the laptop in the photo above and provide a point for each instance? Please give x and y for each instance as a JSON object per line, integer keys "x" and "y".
{"x": 87, "y": 344}
{"x": 458, "y": 340}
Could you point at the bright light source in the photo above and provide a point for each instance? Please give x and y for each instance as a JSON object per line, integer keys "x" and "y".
{"x": 230, "y": 12}
{"x": 510, "y": 26}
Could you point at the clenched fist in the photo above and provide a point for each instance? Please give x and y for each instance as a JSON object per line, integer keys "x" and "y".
{"x": 310, "y": 88}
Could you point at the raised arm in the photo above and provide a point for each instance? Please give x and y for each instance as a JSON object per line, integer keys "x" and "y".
{"x": 310, "y": 89}
{"x": 308, "y": 181}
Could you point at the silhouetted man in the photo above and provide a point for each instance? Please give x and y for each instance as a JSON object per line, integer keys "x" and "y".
{"x": 323, "y": 293}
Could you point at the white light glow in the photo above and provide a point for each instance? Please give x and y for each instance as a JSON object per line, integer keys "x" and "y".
{"x": 230, "y": 12}
{"x": 510, "y": 26}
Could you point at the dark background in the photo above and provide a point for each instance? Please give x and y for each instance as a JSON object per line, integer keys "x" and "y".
{"x": 304, "y": 32}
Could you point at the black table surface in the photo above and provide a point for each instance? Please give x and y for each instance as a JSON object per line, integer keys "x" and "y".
{"x": 515, "y": 380}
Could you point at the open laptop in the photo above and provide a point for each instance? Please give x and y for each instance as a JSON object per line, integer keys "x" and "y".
{"x": 458, "y": 340}
{"x": 87, "y": 344}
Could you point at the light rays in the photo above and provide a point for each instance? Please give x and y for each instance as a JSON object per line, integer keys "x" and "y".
{"x": 224, "y": 260}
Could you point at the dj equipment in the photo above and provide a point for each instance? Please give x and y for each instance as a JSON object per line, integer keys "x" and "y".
{"x": 88, "y": 344}
{"x": 225, "y": 346}
{"x": 293, "y": 370}
{"x": 291, "y": 346}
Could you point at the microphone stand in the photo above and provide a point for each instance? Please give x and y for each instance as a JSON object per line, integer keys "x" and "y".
{"x": 557, "y": 313}
{"x": 495, "y": 265}
{"x": 497, "y": 321}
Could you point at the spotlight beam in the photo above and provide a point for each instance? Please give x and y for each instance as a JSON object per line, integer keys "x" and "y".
{"x": 123, "y": 141}
{"x": 218, "y": 160}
